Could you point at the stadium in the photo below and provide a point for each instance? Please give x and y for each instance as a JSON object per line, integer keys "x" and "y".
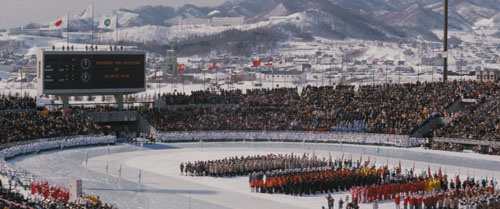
{"x": 112, "y": 124}
{"x": 211, "y": 149}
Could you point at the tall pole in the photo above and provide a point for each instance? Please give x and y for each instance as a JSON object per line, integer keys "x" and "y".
{"x": 183, "y": 83}
{"x": 92, "y": 23}
{"x": 67, "y": 33}
{"x": 419, "y": 57}
{"x": 373, "y": 79}
{"x": 386, "y": 79}
{"x": 272, "y": 78}
{"x": 445, "y": 52}
{"x": 399, "y": 68}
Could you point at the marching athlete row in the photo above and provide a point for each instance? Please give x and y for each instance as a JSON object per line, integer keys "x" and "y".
{"x": 239, "y": 166}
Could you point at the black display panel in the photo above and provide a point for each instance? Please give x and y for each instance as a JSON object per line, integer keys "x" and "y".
{"x": 93, "y": 71}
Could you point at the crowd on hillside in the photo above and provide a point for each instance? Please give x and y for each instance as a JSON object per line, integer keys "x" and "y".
{"x": 386, "y": 108}
{"x": 19, "y": 126}
{"x": 9, "y": 102}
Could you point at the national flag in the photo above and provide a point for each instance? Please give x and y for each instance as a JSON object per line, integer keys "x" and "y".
{"x": 429, "y": 170}
{"x": 440, "y": 174}
{"x": 59, "y": 23}
{"x": 86, "y": 13}
{"x": 108, "y": 22}
{"x": 213, "y": 66}
{"x": 180, "y": 67}
{"x": 256, "y": 63}
{"x": 367, "y": 162}
{"x": 399, "y": 167}
{"x": 281, "y": 62}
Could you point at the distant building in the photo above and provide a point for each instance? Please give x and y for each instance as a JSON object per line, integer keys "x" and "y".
{"x": 488, "y": 75}
{"x": 34, "y": 32}
{"x": 288, "y": 76}
{"x": 170, "y": 63}
{"x": 461, "y": 64}
{"x": 196, "y": 21}
{"x": 275, "y": 19}
{"x": 299, "y": 61}
{"x": 226, "y": 21}
{"x": 431, "y": 61}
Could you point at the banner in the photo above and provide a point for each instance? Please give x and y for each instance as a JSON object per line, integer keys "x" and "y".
{"x": 108, "y": 23}
{"x": 86, "y": 13}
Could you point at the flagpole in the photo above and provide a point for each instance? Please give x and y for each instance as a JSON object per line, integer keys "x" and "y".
{"x": 116, "y": 28}
{"x": 272, "y": 85}
{"x": 67, "y": 33}
{"x": 92, "y": 23}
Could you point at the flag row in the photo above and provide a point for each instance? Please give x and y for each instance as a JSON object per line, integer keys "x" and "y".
{"x": 108, "y": 22}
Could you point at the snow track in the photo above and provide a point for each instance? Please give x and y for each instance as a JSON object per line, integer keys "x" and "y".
{"x": 164, "y": 187}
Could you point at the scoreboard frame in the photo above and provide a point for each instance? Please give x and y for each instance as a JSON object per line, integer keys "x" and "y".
{"x": 41, "y": 70}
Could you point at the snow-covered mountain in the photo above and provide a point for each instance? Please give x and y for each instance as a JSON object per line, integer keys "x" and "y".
{"x": 370, "y": 20}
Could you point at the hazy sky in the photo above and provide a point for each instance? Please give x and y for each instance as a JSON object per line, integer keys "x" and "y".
{"x": 14, "y": 13}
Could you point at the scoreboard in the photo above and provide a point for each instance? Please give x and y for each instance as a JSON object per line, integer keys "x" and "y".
{"x": 91, "y": 72}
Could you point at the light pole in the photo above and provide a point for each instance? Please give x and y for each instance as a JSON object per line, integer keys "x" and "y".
{"x": 445, "y": 38}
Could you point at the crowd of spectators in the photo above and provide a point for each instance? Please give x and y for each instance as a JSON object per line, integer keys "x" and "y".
{"x": 11, "y": 199}
{"x": 203, "y": 97}
{"x": 19, "y": 126}
{"x": 480, "y": 121}
{"x": 8, "y": 102}
{"x": 490, "y": 150}
{"x": 446, "y": 146}
{"x": 387, "y": 108}
{"x": 15, "y": 200}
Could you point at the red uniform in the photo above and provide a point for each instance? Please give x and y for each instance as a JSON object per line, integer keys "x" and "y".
{"x": 406, "y": 200}
{"x": 413, "y": 201}
{"x": 397, "y": 200}
{"x": 419, "y": 201}
{"x": 379, "y": 192}
{"x": 386, "y": 192}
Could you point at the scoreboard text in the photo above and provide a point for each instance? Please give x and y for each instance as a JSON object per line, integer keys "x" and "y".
{"x": 93, "y": 71}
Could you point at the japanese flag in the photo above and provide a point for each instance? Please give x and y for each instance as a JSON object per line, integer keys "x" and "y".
{"x": 59, "y": 23}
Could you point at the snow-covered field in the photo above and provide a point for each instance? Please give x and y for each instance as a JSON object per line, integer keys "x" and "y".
{"x": 164, "y": 187}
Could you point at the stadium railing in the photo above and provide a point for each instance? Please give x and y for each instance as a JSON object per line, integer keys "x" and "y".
{"x": 291, "y": 136}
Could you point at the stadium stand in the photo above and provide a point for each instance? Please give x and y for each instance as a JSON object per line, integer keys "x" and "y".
{"x": 8, "y": 102}
{"x": 388, "y": 109}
